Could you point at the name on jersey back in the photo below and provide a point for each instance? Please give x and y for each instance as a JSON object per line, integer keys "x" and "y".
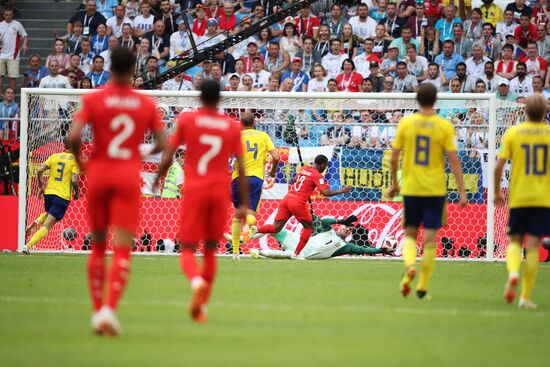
{"x": 212, "y": 122}
{"x": 120, "y": 102}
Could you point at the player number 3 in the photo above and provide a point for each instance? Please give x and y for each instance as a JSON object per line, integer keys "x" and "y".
{"x": 128, "y": 126}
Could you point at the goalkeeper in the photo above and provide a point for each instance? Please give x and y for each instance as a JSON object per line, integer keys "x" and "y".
{"x": 324, "y": 243}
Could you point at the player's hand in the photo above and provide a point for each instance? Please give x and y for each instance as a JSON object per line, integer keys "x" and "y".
{"x": 40, "y": 191}
{"x": 240, "y": 213}
{"x": 499, "y": 199}
{"x": 394, "y": 190}
{"x": 463, "y": 200}
{"x": 76, "y": 195}
{"x": 345, "y": 189}
{"x": 156, "y": 184}
{"x": 349, "y": 220}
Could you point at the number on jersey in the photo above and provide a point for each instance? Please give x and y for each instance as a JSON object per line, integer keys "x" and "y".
{"x": 215, "y": 144}
{"x": 128, "y": 126}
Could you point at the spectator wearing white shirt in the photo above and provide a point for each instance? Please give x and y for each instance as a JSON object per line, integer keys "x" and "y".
{"x": 86, "y": 56}
{"x": 404, "y": 82}
{"x": 115, "y": 23}
{"x": 363, "y": 25}
{"x": 177, "y": 83}
{"x": 332, "y": 62}
{"x": 13, "y": 38}
{"x": 143, "y": 23}
{"x": 363, "y": 60}
{"x": 211, "y": 37}
{"x": 319, "y": 81}
{"x": 506, "y": 27}
{"x": 490, "y": 78}
{"x": 54, "y": 80}
{"x": 522, "y": 84}
{"x": 260, "y": 77}
{"x": 436, "y": 78}
{"x": 417, "y": 65}
{"x": 113, "y": 42}
{"x": 475, "y": 64}
{"x": 536, "y": 65}
{"x": 180, "y": 41}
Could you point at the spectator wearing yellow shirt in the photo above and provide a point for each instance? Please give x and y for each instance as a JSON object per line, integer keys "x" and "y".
{"x": 491, "y": 12}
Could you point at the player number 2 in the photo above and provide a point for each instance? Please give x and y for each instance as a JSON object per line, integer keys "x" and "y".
{"x": 536, "y": 159}
{"x": 215, "y": 144}
{"x": 128, "y": 127}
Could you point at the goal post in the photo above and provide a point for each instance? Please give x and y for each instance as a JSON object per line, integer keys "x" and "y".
{"x": 354, "y": 130}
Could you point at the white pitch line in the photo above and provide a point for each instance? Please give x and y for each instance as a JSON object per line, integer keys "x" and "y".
{"x": 284, "y": 307}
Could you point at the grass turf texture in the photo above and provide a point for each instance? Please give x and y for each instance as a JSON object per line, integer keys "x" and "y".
{"x": 272, "y": 313}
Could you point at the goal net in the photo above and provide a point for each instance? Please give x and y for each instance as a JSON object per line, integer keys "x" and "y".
{"x": 353, "y": 130}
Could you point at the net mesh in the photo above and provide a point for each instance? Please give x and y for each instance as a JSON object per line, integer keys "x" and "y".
{"x": 355, "y": 134}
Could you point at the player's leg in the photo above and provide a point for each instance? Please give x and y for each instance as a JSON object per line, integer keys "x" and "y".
{"x": 303, "y": 214}
{"x": 283, "y": 215}
{"x": 255, "y": 185}
{"x": 37, "y": 222}
{"x": 41, "y": 232}
{"x": 56, "y": 208}
{"x": 530, "y": 271}
{"x": 236, "y": 223}
{"x": 517, "y": 227}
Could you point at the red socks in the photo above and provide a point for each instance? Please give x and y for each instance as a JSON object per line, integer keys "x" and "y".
{"x": 304, "y": 237}
{"x": 189, "y": 263}
{"x": 266, "y": 228}
{"x": 118, "y": 276}
{"x": 96, "y": 274}
{"x": 191, "y": 269}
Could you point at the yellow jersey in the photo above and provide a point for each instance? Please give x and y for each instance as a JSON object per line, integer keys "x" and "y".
{"x": 61, "y": 166}
{"x": 256, "y": 145}
{"x": 528, "y": 145}
{"x": 424, "y": 140}
{"x": 491, "y": 14}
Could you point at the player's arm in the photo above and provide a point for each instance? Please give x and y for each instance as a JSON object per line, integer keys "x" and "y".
{"x": 274, "y": 161}
{"x": 74, "y": 138}
{"x": 39, "y": 174}
{"x": 74, "y": 185}
{"x": 456, "y": 168}
{"x": 160, "y": 144}
{"x": 499, "y": 169}
{"x": 342, "y": 190}
{"x": 327, "y": 222}
{"x": 394, "y": 165}
{"x": 165, "y": 163}
{"x": 242, "y": 210}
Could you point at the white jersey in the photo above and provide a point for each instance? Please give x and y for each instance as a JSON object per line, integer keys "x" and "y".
{"x": 333, "y": 64}
{"x": 315, "y": 85}
{"x": 364, "y": 29}
{"x": 319, "y": 247}
{"x": 116, "y": 28}
{"x": 11, "y": 35}
{"x": 144, "y": 24}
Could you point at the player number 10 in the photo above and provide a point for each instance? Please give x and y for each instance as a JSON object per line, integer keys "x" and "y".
{"x": 534, "y": 156}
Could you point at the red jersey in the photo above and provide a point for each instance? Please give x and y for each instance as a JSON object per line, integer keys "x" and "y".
{"x": 305, "y": 183}
{"x": 535, "y": 67}
{"x": 119, "y": 117}
{"x": 305, "y": 26}
{"x": 212, "y": 139}
{"x": 227, "y": 23}
{"x": 349, "y": 83}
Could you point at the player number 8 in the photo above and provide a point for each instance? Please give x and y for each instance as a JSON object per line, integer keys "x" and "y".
{"x": 128, "y": 127}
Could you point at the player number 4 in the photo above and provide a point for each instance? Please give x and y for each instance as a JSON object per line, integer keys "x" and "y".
{"x": 215, "y": 144}
{"x": 128, "y": 126}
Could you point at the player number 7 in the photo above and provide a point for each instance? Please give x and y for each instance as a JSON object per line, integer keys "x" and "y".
{"x": 215, "y": 144}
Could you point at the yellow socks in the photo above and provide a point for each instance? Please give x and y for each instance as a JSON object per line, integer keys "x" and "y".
{"x": 427, "y": 267}
{"x": 39, "y": 235}
{"x": 530, "y": 272}
{"x": 513, "y": 258}
{"x": 250, "y": 219}
{"x": 409, "y": 251}
{"x": 236, "y": 235}
{"x": 41, "y": 218}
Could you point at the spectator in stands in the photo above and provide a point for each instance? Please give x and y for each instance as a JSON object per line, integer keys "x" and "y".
{"x": 74, "y": 66}
{"x": 319, "y": 81}
{"x": 89, "y": 18}
{"x": 323, "y": 41}
{"x": 332, "y": 85}
{"x": 247, "y": 84}
{"x": 211, "y": 37}
{"x": 116, "y": 22}
{"x": 168, "y": 17}
{"x": 337, "y": 134}
{"x": 74, "y": 39}
{"x": 239, "y": 68}
{"x": 363, "y": 60}
{"x": 263, "y": 39}
{"x": 159, "y": 42}
{"x": 379, "y": 12}
{"x": 299, "y": 78}
{"x": 86, "y": 56}
{"x": 335, "y": 20}
{"x": 480, "y": 87}
{"x": 307, "y": 24}
{"x": 218, "y": 76}
{"x": 259, "y": 76}
{"x": 200, "y": 23}
{"x": 126, "y": 39}
{"x": 420, "y": 21}
{"x": 541, "y": 12}
{"x": 360, "y": 133}
{"x": 388, "y": 84}
{"x": 543, "y": 44}
{"x": 366, "y": 86}
{"x": 429, "y": 44}
{"x": 179, "y": 82}
{"x": 290, "y": 40}
{"x": 506, "y": 66}
{"x": 277, "y": 61}
{"x": 536, "y": 65}
{"x": 448, "y": 59}
{"x": 473, "y": 26}
{"x": 404, "y": 82}
{"x": 383, "y": 134}
{"x": 308, "y": 55}
{"x": 363, "y": 25}
{"x": 132, "y": 8}
{"x": 226, "y": 62}
{"x": 228, "y": 19}
{"x": 519, "y": 8}
{"x": 404, "y": 41}
{"x": 349, "y": 41}
{"x": 525, "y": 31}
{"x": 143, "y": 23}
{"x": 100, "y": 40}
{"x": 468, "y": 82}
{"x": 463, "y": 45}
{"x": 491, "y": 12}
{"x": 376, "y": 77}
{"x": 522, "y": 84}
{"x": 13, "y": 38}
{"x": 444, "y": 26}
{"x": 393, "y": 22}
{"x": 389, "y": 65}
{"x": 54, "y": 79}
{"x": 491, "y": 80}
{"x": 98, "y": 75}
{"x": 332, "y": 62}
{"x": 492, "y": 47}
{"x": 8, "y": 108}
{"x": 349, "y": 80}
{"x": 59, "y": 54}
{"x": 113, "y": 42}
{"x": 475, "y": 65}
{"x": 106, "y": 7}
{"x": 235, "y": 81}
{"x": 381, "y": 42}
{"x": 151, "y": 69}
{"x": 180, "y": 41}
{"x": 416, "y": 65}
{"x": 434, "y": 8}
{"x": 538, "y": 85}
{"x": 506, "y": 26}
{"x": 71, "y": 75}
{"x": 32, "y": 77}
{"x": 436, "y": 77}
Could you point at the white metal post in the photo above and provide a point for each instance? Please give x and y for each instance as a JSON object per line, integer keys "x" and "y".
{"x": 23, "y": 170}
{"x": 491, "y": 178}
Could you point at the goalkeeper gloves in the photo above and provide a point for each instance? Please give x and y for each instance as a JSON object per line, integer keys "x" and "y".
{"x": 348, "y": 221}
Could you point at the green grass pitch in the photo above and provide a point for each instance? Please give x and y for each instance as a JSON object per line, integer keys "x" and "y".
{"x": 272, "y": 313}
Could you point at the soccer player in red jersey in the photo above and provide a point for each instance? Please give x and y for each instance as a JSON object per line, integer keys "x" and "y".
{"x": 119, "y": 117}
{"x": 212, "y": 139}
{"x": 295, "y": 202}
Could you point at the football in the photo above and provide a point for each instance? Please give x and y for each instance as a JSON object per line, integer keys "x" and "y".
{"x": 390, "y": 243}
{"x": 546, "y": 243}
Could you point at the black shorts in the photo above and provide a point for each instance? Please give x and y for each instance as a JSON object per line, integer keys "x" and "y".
{"x": 56, "y": 206}
{"x": 534, "y": 221}
{"x": 431, "y": 211}
{"x": 255, "y": 185}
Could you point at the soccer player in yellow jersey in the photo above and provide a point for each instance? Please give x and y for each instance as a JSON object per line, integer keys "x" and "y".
{"x": 256, "y": 146}
{"x": 62, "y": 182}
{"x": 527, "y": 145}
{"x": 424, "y": 137}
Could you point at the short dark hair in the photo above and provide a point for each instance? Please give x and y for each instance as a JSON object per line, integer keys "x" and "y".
{"x": 247, "y": 119}
{"x": 99, "y": 57}
{"x": 321, "y": 159}
{"x": 210, "y": 92}
{"x": 122, "y": 60}
{"x": 401, "y": 63}
{"x": 426, "y": 95}
{"x": 508, "y": 46}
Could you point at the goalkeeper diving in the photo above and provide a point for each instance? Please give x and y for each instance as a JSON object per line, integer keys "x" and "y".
{"x": 325, "y": 243}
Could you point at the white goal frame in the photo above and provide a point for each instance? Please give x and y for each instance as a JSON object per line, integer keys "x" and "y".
{"x": 490, "y": 98}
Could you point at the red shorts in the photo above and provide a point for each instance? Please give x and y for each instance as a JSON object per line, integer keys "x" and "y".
{"x": 292, "y": 207}
{"x": 204, "y": 215}
{"x": 113, "y": 197}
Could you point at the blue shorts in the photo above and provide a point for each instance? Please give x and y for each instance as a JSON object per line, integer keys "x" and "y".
{"x": 533, "y": 221}
{"x": 255, "y": 185}
{"x": 56, "y": 206}
{"x": 428, "y": 210}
